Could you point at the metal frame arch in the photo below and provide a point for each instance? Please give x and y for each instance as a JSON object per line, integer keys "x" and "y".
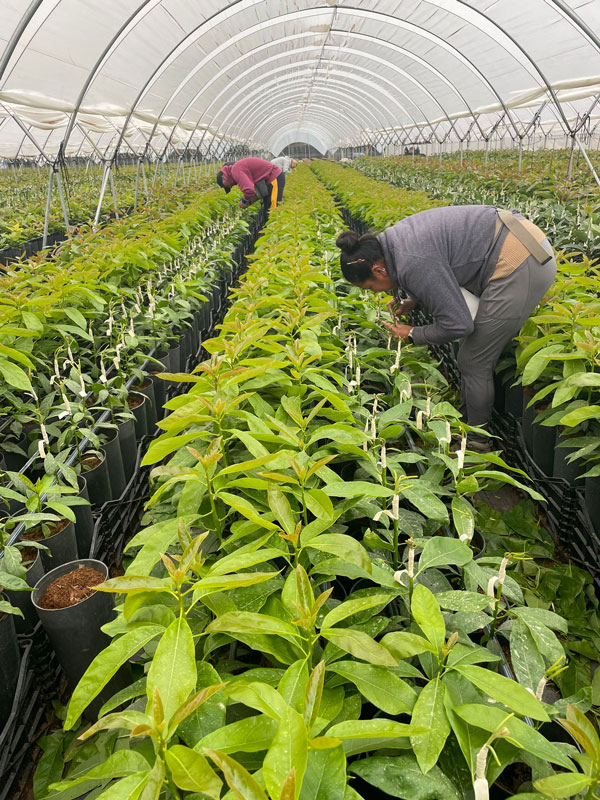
{"x": 367, "y": 56}
{"x": 250, "y": 122}
{"x": 264, "y": 85}
{"x": 314, "y": 131}
{"x": 346, "y": 10}
{"x": 362, "y": 54}
{"x": 17, "y": 33}
{"x": 283, "y": 121}
{"x": 520, "y": 47}
{"x": 369, "y": 14}
{"x": 331, "y": 88}
{"x": 286, "y": 68}
{"x": 576, "y": 19}
{"x": 281, "y": 54}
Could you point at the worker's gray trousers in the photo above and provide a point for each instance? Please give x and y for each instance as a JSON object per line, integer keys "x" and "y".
{"x": 504, "y": 306}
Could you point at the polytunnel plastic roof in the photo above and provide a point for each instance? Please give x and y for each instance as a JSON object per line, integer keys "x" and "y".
{"x": 89, "y": 77}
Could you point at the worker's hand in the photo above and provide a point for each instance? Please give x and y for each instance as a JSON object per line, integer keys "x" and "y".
{"x": 399, "y": 331}
{"x": 243, "y": 204}
{"x": 399, "y": 308}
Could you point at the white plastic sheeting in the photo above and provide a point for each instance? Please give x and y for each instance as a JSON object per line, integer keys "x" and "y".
{"x": 139, "y": 76}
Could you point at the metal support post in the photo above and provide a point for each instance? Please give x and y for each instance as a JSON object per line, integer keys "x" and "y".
{"x": 520, "y": 153}
{"x": 137, "y": 184}
{"x": 102, "y": 191}
{"x": 62, "y": 199}
{"x": 48, "y": 205}
{"x": 570, "y": 167}
{"x": 113, "y": 192}
{"x": 587, "y": 160}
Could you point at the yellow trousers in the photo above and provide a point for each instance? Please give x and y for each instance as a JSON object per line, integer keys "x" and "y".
{"x": 273, "y": 195}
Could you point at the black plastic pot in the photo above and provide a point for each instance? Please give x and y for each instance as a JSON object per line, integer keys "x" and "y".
{"x": 62, "y": 548}
{"x": 139, "y": 412}
{"x": 22, "y": 600}
{"x": 98, "y": 483}
{"x": 189, "y": 341}
{"x": 147, "y": 389}
{"x": 175, "y": 358}
{"x": 114, "y": 462}
{"x": 80, "y": 624}
{"x": 9, "y": 666}
{"x": 498, "y": 393}
{"x": 592, "y": 501}
{"x": 84, "y": 522}
{"x": 128, "y": 447}
{"x": 513, "y": 398}
{"x": 15, "y": 461}
{"x": 568, "y": 471}
{"x": 528, "y": 415}
{"x": 160, "y": 395}
{"x": 543, "y": 444}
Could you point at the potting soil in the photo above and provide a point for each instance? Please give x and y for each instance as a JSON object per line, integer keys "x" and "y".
{"x": 72, "y": 588}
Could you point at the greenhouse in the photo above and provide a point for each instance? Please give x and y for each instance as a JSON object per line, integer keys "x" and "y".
{"x": 300, "y": 381}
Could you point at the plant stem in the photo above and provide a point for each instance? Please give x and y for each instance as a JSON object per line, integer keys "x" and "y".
{"x": 396, "y": 555}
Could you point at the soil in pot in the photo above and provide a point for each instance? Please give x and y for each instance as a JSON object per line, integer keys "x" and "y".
{"x": 72, "y": 588}
{"x": 73, "y": 615}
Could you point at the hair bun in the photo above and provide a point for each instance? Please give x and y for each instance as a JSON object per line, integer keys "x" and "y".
{"x": 347, "y": 241}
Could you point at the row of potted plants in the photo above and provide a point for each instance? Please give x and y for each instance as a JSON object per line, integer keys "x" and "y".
{"x": 23, "y": 197}
{"x": 86, "y": 455}
{"x": 567, "y": 209}
{"x": 310, "y": 610}
{"x": 558, "y": 353}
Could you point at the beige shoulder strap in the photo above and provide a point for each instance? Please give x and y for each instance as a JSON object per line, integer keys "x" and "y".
{"x": 515, "y": 226}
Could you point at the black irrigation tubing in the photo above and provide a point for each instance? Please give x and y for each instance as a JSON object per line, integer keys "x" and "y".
{"x": 81, "y": 447}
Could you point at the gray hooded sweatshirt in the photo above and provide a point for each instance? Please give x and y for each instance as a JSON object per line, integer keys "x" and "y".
{"x": 432, "y": 254}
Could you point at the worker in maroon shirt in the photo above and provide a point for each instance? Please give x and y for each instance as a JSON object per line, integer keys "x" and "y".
{"x": 257, "y": 179}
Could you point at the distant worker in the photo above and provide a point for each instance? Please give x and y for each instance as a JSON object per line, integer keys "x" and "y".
{"x": 477, "y": 270}
{"x": 285, "y": 164}
{"x": 258, "y": 180}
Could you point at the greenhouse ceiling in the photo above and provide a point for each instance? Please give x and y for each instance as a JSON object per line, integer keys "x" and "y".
{"x": 145, "y": 77}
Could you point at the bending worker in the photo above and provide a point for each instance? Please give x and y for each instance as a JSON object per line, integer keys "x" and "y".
{"x": 285, "y": 164}
{"x": 441, "y": 257}
{"x": 258, "y": 180}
